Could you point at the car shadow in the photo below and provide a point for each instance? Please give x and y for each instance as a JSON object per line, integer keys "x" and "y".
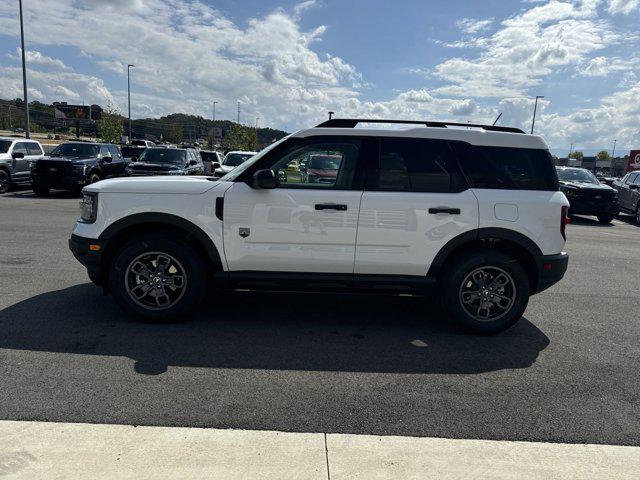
{"x": 275, "y": 331}
{"x": 27, "y": 193}
{"x": 628, "y": 219}
{"x": 588, "y": 221}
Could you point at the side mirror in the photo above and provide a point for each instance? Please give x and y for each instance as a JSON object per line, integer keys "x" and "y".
{"x": 107, "y": 159}
{"x": 215, "y": 165}
{"x": 17, "y": 155}
{"x": 264, "y": 179}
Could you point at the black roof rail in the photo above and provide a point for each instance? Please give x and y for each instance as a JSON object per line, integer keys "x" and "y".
{"x": 352, "y": 122}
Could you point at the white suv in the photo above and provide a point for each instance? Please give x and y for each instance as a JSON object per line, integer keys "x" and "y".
{"x": 471, "y": 213}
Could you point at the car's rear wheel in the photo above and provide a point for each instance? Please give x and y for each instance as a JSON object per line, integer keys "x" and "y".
{"x": 5, "y": 182}
{"x": 158, "y": 279}
{"x": 485, "y": 291}
{"x": 40, "y": 189}
{"x": 605, "y": 218}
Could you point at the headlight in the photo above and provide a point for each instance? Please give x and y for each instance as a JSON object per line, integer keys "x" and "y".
{"x": 88, "y": 207}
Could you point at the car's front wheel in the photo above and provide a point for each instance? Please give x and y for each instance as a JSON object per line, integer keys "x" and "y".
{"x": 485, "y": 291}
{"x": 5, "y": 181}
{"x": 40, "y": 189}
{"x": 158, "y": 279}
{"x": 605, "y": 219}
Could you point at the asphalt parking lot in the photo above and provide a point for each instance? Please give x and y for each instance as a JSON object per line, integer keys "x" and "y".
{"x": 567, "y": 372}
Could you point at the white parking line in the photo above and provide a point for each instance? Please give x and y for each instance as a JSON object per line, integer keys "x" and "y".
{"x": 72, "y": 450}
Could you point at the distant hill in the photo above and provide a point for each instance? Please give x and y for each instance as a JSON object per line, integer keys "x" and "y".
{"x": 175, "y": 127}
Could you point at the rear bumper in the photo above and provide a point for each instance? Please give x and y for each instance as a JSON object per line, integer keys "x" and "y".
{"x": 88, "y": 251}
{"x": 551, "y": 269}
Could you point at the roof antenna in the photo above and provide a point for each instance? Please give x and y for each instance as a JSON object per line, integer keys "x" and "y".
{"x": 497, "y": 119}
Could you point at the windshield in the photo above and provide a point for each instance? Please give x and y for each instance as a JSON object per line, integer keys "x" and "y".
{"x": 576, "y": 175}
{"x": 75, "y": 150}
{"x": 4, "y": 146}
{"x": 324, "y": 162}
{"x": 163, "y": 155}
{"x": 236, "y": 172}
{"x": 235, "y": 159}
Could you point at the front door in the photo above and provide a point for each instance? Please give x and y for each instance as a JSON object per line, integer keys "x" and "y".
{"x": 21, "y": 165}
{"x": 308, "y": 223}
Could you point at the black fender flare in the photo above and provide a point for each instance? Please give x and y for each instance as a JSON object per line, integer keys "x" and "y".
{"x": 481, "y": 234}
{"x": 167, "y": 219}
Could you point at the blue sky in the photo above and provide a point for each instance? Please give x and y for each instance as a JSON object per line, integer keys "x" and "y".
{"x": 288, "y": 62}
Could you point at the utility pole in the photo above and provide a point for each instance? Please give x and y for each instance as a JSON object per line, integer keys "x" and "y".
{"x": 570, "y": 150}
{"x": 129, "y": 97}
{"x": 613, "y": 154}
{"x": 238, "y": 112}
{"x": 214, "y": 111}
{"x": 24, "y": 76}
{"x": 535, "y": 108}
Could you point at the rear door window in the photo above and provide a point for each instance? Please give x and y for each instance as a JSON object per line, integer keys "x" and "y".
{"x": 416, "y": 165}
{"x": 507, "y": 168}
{"x": 34, "y": 149}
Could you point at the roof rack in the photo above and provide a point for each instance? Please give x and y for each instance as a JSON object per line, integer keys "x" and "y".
{"x": 352, "y": 122}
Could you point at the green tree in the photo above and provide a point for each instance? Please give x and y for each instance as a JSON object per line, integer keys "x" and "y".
{"x": 578, "y": 155}
{"x": 110, "y": 126}
{"x": 175, "y": 134}
{"x": 240, "y": 137}
{"x": 603, "y": 155}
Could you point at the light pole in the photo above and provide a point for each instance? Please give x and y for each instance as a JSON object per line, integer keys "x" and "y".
{"x": 129, "y": 97}
{"x": 238, "y": 112}
{"x": 613, "y": 154}
{"x": 570, "y": 151}
{"x": 24, "y": 76}
{"x": 535, "y": 109}
{"x": 214, "y": 111}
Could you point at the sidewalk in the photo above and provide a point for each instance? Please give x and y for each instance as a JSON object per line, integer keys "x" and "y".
{"x": 36, "y": 450}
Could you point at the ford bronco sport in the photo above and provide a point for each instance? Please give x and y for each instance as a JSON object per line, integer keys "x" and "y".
{"x": 471, "y": 213}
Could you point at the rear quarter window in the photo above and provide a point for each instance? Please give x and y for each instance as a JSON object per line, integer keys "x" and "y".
{"x": 507, "y": 168}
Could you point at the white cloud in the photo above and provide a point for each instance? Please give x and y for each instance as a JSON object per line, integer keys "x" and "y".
{"x": 33, "y": 57}
{"x": 526, "y": 48}
{"x": 472, "y": 25}
{"x": 623, "y": 7}
{"x": 603, "y": 66}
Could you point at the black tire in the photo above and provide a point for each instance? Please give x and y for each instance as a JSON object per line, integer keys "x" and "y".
{"x": 605, "y": 219}
{"x": 41, "y": 190}
{"x": 492, "y": 261}
{"x": 5, "y": 182}
{"x": 187, "y": 258}
{"x": 93, "y": 178}
{"x": 638, "y": 214}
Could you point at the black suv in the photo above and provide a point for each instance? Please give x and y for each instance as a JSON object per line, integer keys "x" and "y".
{"x": 167, "y": 161}
{"x": 72, "y": 165}
{"x": 587, "y": 195}
{"x": 629, "y": 193}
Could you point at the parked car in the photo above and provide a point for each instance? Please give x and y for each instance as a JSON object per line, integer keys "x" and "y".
{"x": 587, "y": 195}
{"x": 474, "y": 215}
{"x": 16, "y": 157}
{"x": 211, "y": 160}
{"x": 143, "y": 143}
{"x": 232, "y": 160}
{"x": 72, "y": 165}
{"x": 321, "y": 169}
{"x": 606, "y": 180}
{"x": 629, "y": 194}
{"x": 166, "y": 161}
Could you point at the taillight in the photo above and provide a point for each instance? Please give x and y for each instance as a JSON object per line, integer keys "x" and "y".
{"x": 564, "y": 221}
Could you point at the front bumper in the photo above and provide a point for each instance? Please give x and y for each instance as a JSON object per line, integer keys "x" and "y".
{"x": 551, "y": 269}
{"x": 588, "y": 207}
{"x": 71, "y": 180}
{"x": 88, "y": 251}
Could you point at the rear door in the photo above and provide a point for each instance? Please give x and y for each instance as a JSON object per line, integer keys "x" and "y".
{"x": 415, "y": 201}
{"x": 300, "y": 226}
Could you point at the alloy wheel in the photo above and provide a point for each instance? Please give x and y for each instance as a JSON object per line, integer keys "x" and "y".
{"x": 488, "y": 293}
{"x": 155, "y": 280}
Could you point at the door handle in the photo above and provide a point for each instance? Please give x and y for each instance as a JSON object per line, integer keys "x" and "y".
{"x": 331, "y": 206}
{"x": 450, "y": 211}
